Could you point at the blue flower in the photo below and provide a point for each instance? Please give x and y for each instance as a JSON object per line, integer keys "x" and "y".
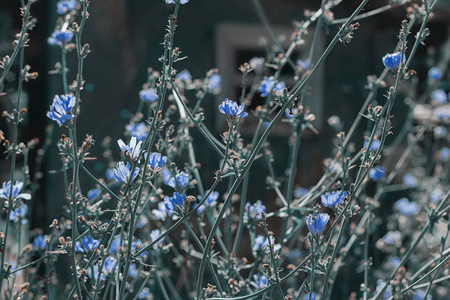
{"x": 266, "y": 86}
{"x": 333, "y": 199}
{"x": 279, "y": 86}
{"x": 262, "y": 243}
{"x": 392, "y": 61}
{"x": 290, "y": 112}
{"x": 436, "y": 195}
{"x": 184, "y": 76}
{"x": 64, "y": 6}
{"x": 313, "y": 296}
{"x": 300, "y": 192}
{"x": 148, "y": 95}
{"x": 439, "y": 96}
{"x": 87, "y": 244}
{"x": 58, "y": 37}
{"x": 138, "y": 130}
{"x": 211, "y": 201}
{"x": 214, "y": 82}
{"x": 410, "y": 180}
{"x": 153, "y": 236}
{"x": 132, "y": 150}
{"x": 145, "y": 293}
{"x": 137, "y": 244}
{"x": 122, "y": 172}
{"x": 395, "y": 261}
{"x": 392, "y": 237}
{"x": 40, "y": 243}
{"x": 115, "y": 245}
{"x": 440, "y": 131}
{"x": 5, "y": 191}
{"x": 110, "y": 265}
{"x": 93, "y": 194}
{"x": 377, "y": 173}
{"x": 133, "y": 271}
{"x": 61, "y": 109}
{"x": 434, "y": 73}
{"x": 317, "y": 224}
{"x": 173, "y": 1}
{"x": 110, "y": 173}
{"x": 444, "y": 154}
{"x": 374, "y": 145}
{"x": 303, "y": 64}
{"x": 174, "y": 202}
{"x": 420, "y": 294}
{"x": 259, "y": 281}
{"x": 182, "y": 179}
{"x": 387, "y": 292}
{"x": 162, "y": 213}
{"x": 156, "y": 160}
{"x": 19, "y": 213}
{"x": 254, "y": 211}
{"x": 407, "y": 208}
{"x": 231, "y": 108}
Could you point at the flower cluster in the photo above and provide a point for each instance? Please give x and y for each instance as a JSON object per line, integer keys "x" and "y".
{"x": 268, "y": 85}
{"x": 122, "y": 172}
{"x": 65, "y": 6}
{"x": 59, "y": 37}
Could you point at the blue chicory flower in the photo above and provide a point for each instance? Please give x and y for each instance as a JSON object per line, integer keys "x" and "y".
{"x": 65, "y": 6}
{"x": 182, "y": 179}
{"x": 434, "y": 73}
{"x": 303, "y": 64}
{"x": 392, "y": 237}
{"x": 300, "y": 192}
{"x": 184, "y": 76}
{"x": 93, "y": 193}
{"x": 132, "y": 150}
{"x": 313, "y": 296}
{"x": 387, "y": 292}
{"x": 145, "y": 293}
{"x": 19, "y": 213}
{"x": 5, "y": 191}
{"x": 61, "y": 109}
{"x": 58, "y": 37}
{"x": 154, "y": 234}
{"x": 262, "y": 243}
{"x": 406, "y": 208}
{"x": 436, "y": 195}
{"x": 133, "y": 271}
{"x": 211, "y": 201}
{"x": 439, "y": 96}
{"x": 410, "y": 180}
{"x": 374, "y": 145}
{"x": 214, "y": 82}
{"x": 395, "y": 261}
{"x": 174, "y": 202}
{"x": 392, "y": 60}
{"x": 259, "y": 281}
{"x": 420, "y": 295}
{"x": 87, "y": 244}
{"x": 231, "y": 108}
{"x": 161, "y": 213}
{"x": 440, "y": 132}
{"x": 444, "y": 154}
{"x": 40, "y": 242}
{"x": 122, "y": 172}
{"x": 268, "y": 85}
{"x": 156, "y": 160}
{"x": 148, "y": 95}
{"x": 138, "y": 130}
{"x": 316, "y": 224}
{"x": 377, "y": 173}
{"x": 115, "y": 245}
{"x": 254, "y": 211}
{"x": 333, "y": 199}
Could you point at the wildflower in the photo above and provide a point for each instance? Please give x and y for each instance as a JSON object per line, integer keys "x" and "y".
{"x": 313, "y": 296}
{"x": 410, "y": 180}
{"x": 58, "y": 37}
{"x": 122, "y": 172}
{"x": 257, "y": 63}
{"x": 254, "y": 211}
{"x": 392, "y": 237}
{"x": 439, "y": 96}
{"x": 268, "y": 85}
{"x": 374, "y": 145}
{"x": 395, "y": 261}
{"x": 167, "y": 177}
{"x": 110, "y": 173}
{"x": 65, "y": 6}
{"x": 156, "y": 160}
{"x": 406, "y": 208}
{"x": 392, "y": 61}
{"x": 132, "y": 150}
{"x": 93, "y": 194}
{"x": 231, "y": 108}
{"x": 162, "y": 213}
{"x": 262, "y": 243}
{"x": 153, "y": 236}
{"x": 210, "y": 201}
{"x": 303, "y": 64}
{"x": 133, "y": 271}
{"x": 290, "y": 113}
{"x": 115, "y": 245}
{"x": 5, "y": 191}
{"x": 440, "y": 132}
{"x": 434, "y": 73}
{"x": 316, "y": 224}
{"x": 40, "y": 242}
{"x": 259, "y": 281}
{"x": 148, "y": 95}
{"x": 377, "y": 173}
{"x": 333, "y": 199}
{"x": 19, "y": 213}
{"x": 387, "y": 292}
{"x": 145, "y": 293}
{"x": 182, "y": 179}
{"x": 110, "y": 265}
{"x": 300, "y": 192}
{"x": 436, "y": 195}
{"x": 420, "y": 295}
{"x": 87, "y": 244}
{"x": 174, "y": 202}
{"x": 138, "y": 130}
{"x": 61, "y": 109}
{"x": 214, "y": 82}
{"x": 173, "y": 1}
{"x": 184, "y": 76}
{"x": 444, "y": 154}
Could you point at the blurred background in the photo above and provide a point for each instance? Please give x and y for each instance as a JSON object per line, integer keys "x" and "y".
{"x": 125, "y": 37}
